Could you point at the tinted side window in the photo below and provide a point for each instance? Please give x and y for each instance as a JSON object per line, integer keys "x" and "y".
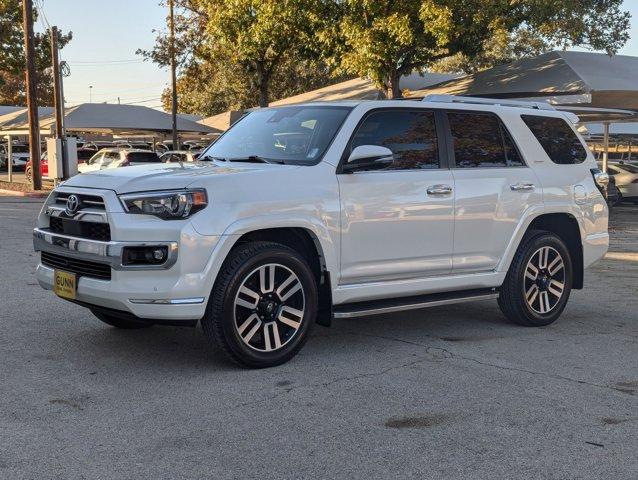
{"x": 478, "y": 141}
{"x": 557, "y": 139}
{"x": 411, "y": 135}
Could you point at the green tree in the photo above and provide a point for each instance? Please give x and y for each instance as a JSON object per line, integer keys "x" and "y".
{"x": 211, "y": 87}
{"x": 385, "y": 39}
{"x": 258, "y": 35}
{"x": 12, "y": 59}
{"x": 240, "y": 54}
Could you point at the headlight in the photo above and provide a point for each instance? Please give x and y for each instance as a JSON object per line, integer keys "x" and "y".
{"x": 173, "y": 205}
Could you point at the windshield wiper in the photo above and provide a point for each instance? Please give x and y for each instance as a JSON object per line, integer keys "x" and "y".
{"x": 210, "y": 159}
{"x": 256, "y": 159}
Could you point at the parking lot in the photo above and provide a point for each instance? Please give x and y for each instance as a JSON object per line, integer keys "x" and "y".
{"x": 449, "y": 392}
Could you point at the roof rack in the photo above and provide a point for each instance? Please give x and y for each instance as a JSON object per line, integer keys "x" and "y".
{"x": 487, "y": 101}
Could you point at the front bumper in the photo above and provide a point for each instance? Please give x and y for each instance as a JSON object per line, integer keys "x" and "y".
{"x": 176, "y": 290}
{"x": 95, "y": 251}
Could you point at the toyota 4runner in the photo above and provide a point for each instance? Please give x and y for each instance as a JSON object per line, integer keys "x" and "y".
{"x": 306, "y": 213}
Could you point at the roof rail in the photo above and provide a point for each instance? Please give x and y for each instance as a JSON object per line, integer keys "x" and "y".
{"x": 487, "y": 101}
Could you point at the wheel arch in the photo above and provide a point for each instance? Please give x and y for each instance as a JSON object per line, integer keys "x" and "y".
{"x": 565, "y": 226}
{"x": 306, "y": 242}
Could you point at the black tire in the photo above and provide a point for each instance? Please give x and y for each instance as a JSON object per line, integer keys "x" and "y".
{"x": 513, "y": 300}
{"x": 28, "y": 174}
{"x": 123, "y": 323}
{"x": 222, "y": 321}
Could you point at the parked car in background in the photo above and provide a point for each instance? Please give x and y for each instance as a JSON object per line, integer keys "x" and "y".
{"x": 20, "y": 155}
{"x": 44, "y": 167}
{"x": 179, "y": 156}
{"x": 96, "y": 146}
{"x": 118, "y": 157}
{"x": 84, "y": 154}
{"x": 136, "y": 145}
{"x": 194, "y": 145}
{"x": 625, "y": 176}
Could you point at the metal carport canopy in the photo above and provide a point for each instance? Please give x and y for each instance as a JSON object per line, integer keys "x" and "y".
{"x": 106, "y": 118}
{"x": 567, "y": 78}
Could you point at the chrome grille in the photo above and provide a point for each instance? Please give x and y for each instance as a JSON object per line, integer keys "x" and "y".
{"x": 82, "y": 268}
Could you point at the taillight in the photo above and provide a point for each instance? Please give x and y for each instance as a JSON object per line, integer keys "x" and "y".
{"x": 601, "y": 179}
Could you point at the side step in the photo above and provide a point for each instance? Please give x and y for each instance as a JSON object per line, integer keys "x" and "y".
{"x": 377, "y": 307}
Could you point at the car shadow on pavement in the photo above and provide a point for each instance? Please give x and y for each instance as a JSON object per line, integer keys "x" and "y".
{"x": 184, "y": 347}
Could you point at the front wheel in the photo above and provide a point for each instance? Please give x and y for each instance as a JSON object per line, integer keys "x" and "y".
{"x": 262, "y": 306}
{"x": 28, "y": 173}
{"x": 539, "y": 281}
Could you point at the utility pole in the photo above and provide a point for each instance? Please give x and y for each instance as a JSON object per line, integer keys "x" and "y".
{"x": 58, "y": 102}
{"x": 173, "y": 74}
{"x": 32, "y": 94}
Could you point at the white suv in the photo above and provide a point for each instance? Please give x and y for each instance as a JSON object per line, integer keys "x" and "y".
{"x": 332, "y": 210}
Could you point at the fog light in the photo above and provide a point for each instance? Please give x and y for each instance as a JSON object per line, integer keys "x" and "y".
{"x": 144, "y": 255}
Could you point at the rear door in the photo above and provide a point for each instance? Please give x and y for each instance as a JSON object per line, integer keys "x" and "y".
{"x": 397, "y": 223}
{"x": 494, "y": 187}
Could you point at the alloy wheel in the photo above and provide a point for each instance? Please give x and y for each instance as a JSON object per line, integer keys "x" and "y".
{"x": 269, "y": 307}
{"x": 544, "y": 283}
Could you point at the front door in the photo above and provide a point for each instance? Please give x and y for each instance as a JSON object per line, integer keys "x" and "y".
{"x": 397, "y": 223}
{"x": 494, "y": 188}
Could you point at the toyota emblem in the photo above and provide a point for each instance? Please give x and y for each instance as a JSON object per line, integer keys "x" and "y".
{"x": 72, "y": 205}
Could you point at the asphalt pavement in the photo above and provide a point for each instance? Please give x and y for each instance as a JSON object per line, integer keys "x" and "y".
{"x": 451, "y": 392}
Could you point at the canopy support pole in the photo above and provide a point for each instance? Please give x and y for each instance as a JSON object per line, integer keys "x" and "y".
{"x": 9, "y": 158}
{"x": 605, "y": 145}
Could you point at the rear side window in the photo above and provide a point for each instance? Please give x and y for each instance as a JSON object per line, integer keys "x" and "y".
{"x": 481, "y": 140}
{"x": 410, "y": 134}
{"x": 142, "y": 157}
{"x": 557, "y": 139}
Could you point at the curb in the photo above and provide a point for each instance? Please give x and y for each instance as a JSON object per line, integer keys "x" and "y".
{"x": 15, "y": 193}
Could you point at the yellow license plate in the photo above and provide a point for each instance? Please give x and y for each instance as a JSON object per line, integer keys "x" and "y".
{"x": 64, "y": 284}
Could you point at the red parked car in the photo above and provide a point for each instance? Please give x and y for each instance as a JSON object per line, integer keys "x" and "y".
{"x": 44, "y": 167}
{"x": 83, "y": 156}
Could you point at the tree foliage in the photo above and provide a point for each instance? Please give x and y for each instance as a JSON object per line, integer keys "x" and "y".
{"x": 12, "y": 58}
{"x": 385, "y": 39}
{"x": 241, "y": 53}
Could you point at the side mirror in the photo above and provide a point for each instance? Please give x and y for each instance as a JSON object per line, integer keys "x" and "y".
{"x": 368, "y": 157}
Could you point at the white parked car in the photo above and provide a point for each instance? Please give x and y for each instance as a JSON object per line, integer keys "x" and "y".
{"x": 172, "y": 156}
{"x": 334, "y": 210}
{"x": 626, "y": 177}
{"x": 19, "y": 154}
{"x": 118, "y": 157}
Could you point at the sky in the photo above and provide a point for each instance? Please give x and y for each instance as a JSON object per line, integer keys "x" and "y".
{"x": 106, "y": 35}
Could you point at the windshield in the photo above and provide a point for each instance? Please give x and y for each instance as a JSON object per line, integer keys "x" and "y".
{"x": 296, "y": 135}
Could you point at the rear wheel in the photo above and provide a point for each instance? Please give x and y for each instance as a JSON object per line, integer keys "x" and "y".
{"x": 262, "y": 306}
{"x": 539, "y": 281}
{"x": 28, "y": 174}
{"x": 119, "y": 322}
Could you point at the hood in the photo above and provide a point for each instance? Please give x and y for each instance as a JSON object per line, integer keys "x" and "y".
{"x": 161, "y": 176}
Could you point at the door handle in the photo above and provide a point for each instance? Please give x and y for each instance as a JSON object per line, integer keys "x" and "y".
{"x": 521, "y": 187}
{"x": 439, "y": 190}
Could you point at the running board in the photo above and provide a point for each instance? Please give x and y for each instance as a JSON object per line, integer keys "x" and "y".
{"x": 377, "y": 307}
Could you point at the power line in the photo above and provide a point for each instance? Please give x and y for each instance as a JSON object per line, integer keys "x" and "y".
{"x": 107, "y": 62}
